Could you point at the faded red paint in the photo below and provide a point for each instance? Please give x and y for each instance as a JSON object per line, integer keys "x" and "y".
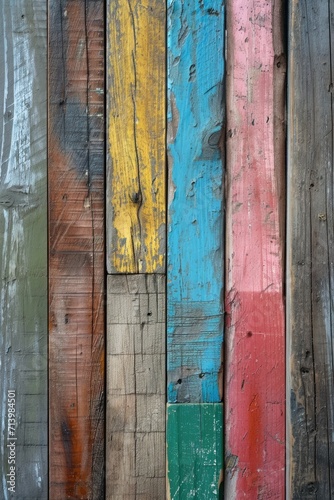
{"x": 76, "y": 249}
{"x": 255, "y": 376}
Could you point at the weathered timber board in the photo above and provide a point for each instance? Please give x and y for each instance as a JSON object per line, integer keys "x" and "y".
{"x": 255, "y": 352}
{"x": 194, "y": 451}
{"x": 310, "y": 258}
{"x": 23, "y": 245}
{"x": 76, "y": 248}
{"x": 136, "y": 394}
{"x": 136, "y": 136}
{"x": 195, "y": 216}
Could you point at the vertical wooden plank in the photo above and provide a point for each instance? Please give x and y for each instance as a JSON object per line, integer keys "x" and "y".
{"x": 195, "y": 217}
{"x": 136, "y": 387}
{"x": 136, "y": 136}
{"x": 194, "y": 451}
{"x": 310, "y": 259}
{"x": 76, "y": 232}
{"x": 23, "y": 249}
{"x": 255, "y": 361}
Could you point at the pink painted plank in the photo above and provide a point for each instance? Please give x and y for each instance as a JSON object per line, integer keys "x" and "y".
{"x": 255, "y": 376}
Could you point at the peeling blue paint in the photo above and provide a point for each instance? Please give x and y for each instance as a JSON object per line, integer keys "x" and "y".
{"x": 195, "y": 231}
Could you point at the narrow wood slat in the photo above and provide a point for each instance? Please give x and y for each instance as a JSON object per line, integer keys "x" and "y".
{"x": 136, "y": 136}
{"x": 195, "y": 451}
{"x": 135, "y": 458}
{"x": 310, "y": 260}
{"x": 76, "y": 248}
{"x": 195, "y": 217}
{"x": 255, "y": 360}
{"x": 23, "y": 247}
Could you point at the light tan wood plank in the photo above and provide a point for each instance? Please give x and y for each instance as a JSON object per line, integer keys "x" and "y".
{"x": 135, "y": 466}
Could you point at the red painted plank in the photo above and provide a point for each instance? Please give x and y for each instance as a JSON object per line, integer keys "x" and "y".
{"x": 76, "y": 246}
{"x": 255, "y": 374}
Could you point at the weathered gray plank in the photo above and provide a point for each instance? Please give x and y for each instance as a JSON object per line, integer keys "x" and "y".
{"x": 136, "y": 387}
{"x": 310, "y": 259}
{"x": 23, "y": 244}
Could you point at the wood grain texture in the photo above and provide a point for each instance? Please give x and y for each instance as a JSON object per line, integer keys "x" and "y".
{"x": 23, "y": 243}
{"x": 136, "y": 136}
{"x": 255, "y": 352}
{"x": 195, "y": 451}
{"x": 195, "y": 215}
{"x": 76, "y": 246}
{"x": 310, "y": 259}
{"x": 136, "y": 393}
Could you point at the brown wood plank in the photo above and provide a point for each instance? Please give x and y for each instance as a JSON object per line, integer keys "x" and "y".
{"x": 76, "y": 246}
{"x": 23, "y": 250}
{"x": 136, "y": 391}
{"x": 310, "y": 259}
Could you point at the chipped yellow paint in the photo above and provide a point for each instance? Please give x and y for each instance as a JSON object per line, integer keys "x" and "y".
{"x": 136, "y": 136}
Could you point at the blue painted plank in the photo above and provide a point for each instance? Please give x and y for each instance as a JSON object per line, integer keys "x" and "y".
{"x": 195, "y": 218}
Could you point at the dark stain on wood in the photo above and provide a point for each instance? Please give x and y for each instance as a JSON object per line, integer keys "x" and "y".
{"x": 310, "y": 257}
{"x": 76, "y": 248}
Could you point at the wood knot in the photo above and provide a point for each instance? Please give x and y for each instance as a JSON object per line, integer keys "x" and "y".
{"x": 136, "y": 197}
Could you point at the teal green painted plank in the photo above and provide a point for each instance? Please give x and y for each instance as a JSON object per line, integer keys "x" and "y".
{"x": 195, "y": 215}
{"x": 23, "y": 247}
{"x": 195, "y": 451}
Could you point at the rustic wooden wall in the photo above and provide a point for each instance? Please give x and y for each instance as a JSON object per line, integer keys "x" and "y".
{"x": 195, "y": 245}
{"x": 310, "y": 243}
{"x": 255, "y": 360}
{"x": 136, "y": 227}
{"x": 23, "y": 243}
{"x": 76, "y": 248}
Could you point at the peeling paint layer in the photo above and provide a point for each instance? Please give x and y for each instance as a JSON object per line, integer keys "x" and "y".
{"x": 255, "y": 329}
{"x": 136, "y": 150}
{"x": 195, "y": 217}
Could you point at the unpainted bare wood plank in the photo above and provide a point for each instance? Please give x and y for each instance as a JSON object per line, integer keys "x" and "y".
{"x": 310, "y": 258}
{"x": 76, "y": 248}
{"x": 136, "y": 136}
{"x": 135, "y": 458}
{"x": 23, "y": 250}
{"x": 255, "y": 326}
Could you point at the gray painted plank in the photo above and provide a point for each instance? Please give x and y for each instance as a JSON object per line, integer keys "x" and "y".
{"x": 310, "y": 258}
{"x": 136, "y": 387}
{"x": 23, "y": 244}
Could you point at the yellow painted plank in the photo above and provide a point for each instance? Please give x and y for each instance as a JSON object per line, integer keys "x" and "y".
{"x": 136, "y": 136}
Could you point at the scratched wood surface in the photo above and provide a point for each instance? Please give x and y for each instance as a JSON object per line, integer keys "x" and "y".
{"x": 136, "y": 136}
{"x": 310, "y": 259}
{"x": 76, "y": 248}
{"x": 255, "y": 358}
{"x": 23, "y": 243}
{"x": 194, "y": 451}
{"x": 136, "y": 394}
{"x": 195, "y": 216}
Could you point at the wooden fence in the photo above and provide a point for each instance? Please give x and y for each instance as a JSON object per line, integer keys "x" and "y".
{"x": 166, "y": 249}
